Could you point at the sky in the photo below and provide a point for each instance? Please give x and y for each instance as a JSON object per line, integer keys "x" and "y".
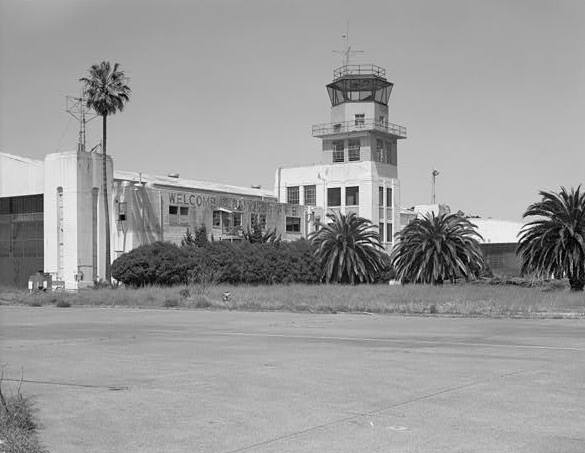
{"x": 492, "y": 92}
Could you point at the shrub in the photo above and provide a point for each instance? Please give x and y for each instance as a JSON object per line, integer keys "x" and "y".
{"x": 166, "y": 264}
{"x": 63, "y": 304}
{"x": 161, "y": 263}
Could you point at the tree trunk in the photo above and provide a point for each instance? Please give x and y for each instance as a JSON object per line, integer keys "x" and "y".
{"x": 106, "y": 203}
{"x": 577, "y": 282}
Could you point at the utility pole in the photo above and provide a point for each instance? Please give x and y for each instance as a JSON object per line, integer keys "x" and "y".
{"x": 435, "y": 173}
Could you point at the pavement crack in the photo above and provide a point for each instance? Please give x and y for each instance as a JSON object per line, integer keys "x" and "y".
{"x": 376, "y": 411}
{"x": 70, "y": 384}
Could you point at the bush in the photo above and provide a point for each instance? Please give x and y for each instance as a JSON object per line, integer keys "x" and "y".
{"x": 161, "y": 263}
{"x": 166, "y": 264}
{"x": 63, "y": 304}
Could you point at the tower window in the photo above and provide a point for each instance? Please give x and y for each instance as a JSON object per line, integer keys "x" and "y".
{"x": 380, "y": 196}
{"x": 292, "y": 195}
{"x": 379, "y": 150}
{"x": 353, "y": 150}
{"x": 334, "y": 196}
{"x": 310, "y": 195}
{"x": 389, "y": 197}
{"x": 352, "y": 196}
{"x": 360, "y": 119}
{"x": 388, "y": 232}
{"x": 381, "y": 231}
{"x": 387, "y": 159}
{"x": 338, "y": 152}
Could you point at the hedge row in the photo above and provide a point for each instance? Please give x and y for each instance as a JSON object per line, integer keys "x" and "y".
{"x": 163, "y": 263}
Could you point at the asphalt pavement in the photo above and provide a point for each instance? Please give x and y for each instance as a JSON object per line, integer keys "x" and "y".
{"x": 132, "y": 380}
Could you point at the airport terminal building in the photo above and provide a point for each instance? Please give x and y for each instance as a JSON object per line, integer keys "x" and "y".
{"x": 52, "y": 212}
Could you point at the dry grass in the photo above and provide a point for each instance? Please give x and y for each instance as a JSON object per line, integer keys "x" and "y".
{"x": 464, "y": 299}
{"x": 18, "y": 427}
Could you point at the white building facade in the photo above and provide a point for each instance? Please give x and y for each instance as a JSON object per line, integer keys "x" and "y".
{"x": 359, "y": 159}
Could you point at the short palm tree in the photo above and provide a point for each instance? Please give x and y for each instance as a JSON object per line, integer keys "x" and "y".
{"x": 106, "y": 90}
{"x": 432, "y": 249}
{"x": 348, "y": 249}
{"x": 554, "y": 243}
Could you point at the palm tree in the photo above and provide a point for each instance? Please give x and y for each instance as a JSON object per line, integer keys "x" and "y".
{"x": 106, "y": 91}
{"x": 348, "y": 249}
{"x": 432, "y": 249}
{"x": 554, "y": 243}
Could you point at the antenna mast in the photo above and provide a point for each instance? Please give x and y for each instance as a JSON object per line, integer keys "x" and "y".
{"x": 77, "y": 108}
{"x": 347, "y": 52}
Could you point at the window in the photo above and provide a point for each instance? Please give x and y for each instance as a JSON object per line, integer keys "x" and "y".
{"x": 338, "y": 152}
{"x": 389, "y": 197}
{"x": 293, "y": 224}
{"x": 380, "y": 196}
{"x": 381, "y": 120}
{"x": 237, "y": 219}
{"x": 388, "y": 232}
{"x": 122, "y": 209}
{"x": 388, "y": 147}
{"x": 352, "y": 196}
{"x": 381, "y": 232}
{"x": 379, "y": 150}
{"x": 217, "y": 219}
{"x": 310, "y": 195}
{"x": 178, "y": 215}
{"x": 292, "y": 195}
{"x": 334, "y": 196}
{"x": 360, "y": 119}
{"x": 353, "y": 150}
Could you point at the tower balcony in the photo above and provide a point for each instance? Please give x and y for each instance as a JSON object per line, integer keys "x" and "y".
{"x": 365, "y": 125}
{"x": 359, "y": 70}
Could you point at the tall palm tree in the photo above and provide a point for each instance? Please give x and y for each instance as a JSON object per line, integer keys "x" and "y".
{"x": 554, "y": 243}
{"x": 106, "y": 89}
{"x": 432, "y": 249}
{"x": 348, "y": 249}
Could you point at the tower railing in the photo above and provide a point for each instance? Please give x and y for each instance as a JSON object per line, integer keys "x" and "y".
{"x": 359, "y": 69}
{"x": 367, "y": 124}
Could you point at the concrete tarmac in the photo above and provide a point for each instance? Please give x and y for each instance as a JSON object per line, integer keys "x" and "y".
{"x": 129, "y": 380}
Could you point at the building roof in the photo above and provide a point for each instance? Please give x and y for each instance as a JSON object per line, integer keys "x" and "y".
{"x": 496, "y": 231}
{"x": 182, "y": 183}
{"x": 24, "y": 160}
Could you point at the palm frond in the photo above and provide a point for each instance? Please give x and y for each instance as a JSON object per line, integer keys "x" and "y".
{"x": 432, "y": 249}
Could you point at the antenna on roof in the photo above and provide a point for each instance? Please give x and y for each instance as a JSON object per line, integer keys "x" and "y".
{"x": 77, "y": 108}
{"x": 347, "y": 52}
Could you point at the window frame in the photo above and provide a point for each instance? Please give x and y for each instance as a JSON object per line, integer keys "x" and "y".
{"x": 354, "y": 192}
{"x": 292, "y": 224}
{"x": 330, "y": 191}
{"x": 312, "y": 189}
{"x": 293, "y": 195}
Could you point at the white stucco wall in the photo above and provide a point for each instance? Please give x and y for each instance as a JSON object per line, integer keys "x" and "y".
{"x": 77, "y": 174}
{"x": 365, "y": 175}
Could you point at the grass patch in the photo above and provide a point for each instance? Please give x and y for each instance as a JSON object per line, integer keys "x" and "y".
{"x": 482, "y": 300}
{"x": 18, "y": 426}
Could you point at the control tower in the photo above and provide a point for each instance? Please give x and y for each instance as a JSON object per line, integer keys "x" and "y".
{"x": 359, "y": 160}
